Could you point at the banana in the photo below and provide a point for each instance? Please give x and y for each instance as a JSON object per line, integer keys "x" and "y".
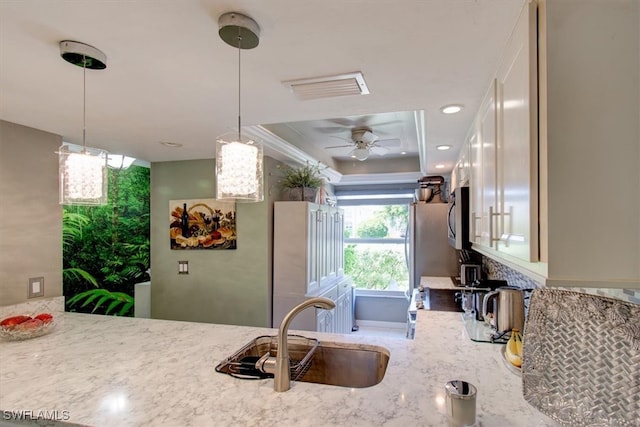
{"x": 519, "y": 343}
{"x": 513, "y": 351}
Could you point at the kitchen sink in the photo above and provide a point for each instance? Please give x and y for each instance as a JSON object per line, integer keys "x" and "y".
{"x": 326, "y": 362}
{"x": 347, "y": 365}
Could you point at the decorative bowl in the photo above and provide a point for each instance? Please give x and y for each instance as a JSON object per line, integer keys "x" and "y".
{"x": 19, "y": 333}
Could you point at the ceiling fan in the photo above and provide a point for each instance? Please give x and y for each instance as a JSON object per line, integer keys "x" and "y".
{"x": 365, "y": 142}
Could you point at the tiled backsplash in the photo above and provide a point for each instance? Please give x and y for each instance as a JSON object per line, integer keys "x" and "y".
{"x": 495, "y": 270}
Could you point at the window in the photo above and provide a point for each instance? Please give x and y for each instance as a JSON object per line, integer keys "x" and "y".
{"x": 375, "y": 246}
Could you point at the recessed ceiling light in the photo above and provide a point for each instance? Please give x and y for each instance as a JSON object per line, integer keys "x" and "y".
{"x": 170, "y": 144}
{"x": 439, "y": 166}
{"x": 403, "y": 152}
{"x": 451, "y": 109}
{"x": 443, "y": 147}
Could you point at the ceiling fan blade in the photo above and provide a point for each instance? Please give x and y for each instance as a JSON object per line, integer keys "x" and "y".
{"x": 338, "y": 146}
{"x": 380, "y": 151}
{"x": 392, "y": 142}
{"x": 331, "y": 129}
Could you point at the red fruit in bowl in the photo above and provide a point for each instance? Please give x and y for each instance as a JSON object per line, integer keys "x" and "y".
{"x": 45, "y": 317}
{"x": 10, "y": 322}
{"x": 29, "y": 324}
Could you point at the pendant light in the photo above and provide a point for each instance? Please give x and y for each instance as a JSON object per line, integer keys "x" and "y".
{"x": 83, "y": 170}
{"x": 238, "y": 158}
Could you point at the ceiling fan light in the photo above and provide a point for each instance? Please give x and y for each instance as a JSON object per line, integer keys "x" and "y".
{"x": 361, "y": 153}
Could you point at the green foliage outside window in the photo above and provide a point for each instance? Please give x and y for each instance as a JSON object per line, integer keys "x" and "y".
{"x": 375, "y": 269}
{"x": 106, "y": 249}
{"x": 373, "y": 228}
{"x": 377, "y": 265}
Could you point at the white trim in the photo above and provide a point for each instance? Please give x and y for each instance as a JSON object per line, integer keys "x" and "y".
{"x": 377, "y": 178}
{"x": 381, "y": 324}
{"x": 282, "y": 150}
{"x": 422, "y": 143}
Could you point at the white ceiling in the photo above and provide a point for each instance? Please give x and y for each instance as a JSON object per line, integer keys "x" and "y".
{"x": 169, "y": 76}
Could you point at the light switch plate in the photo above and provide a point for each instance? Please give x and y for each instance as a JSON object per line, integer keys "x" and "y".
{"x": 36, "y": 287}
{"x": 183, "y": 267}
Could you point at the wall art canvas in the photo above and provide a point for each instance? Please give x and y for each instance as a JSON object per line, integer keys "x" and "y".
{"x": 202, "y": 224}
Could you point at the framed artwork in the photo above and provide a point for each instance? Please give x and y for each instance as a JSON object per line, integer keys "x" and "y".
{"x": 202, "y": 224}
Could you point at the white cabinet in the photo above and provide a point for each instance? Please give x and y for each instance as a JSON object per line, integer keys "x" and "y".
{"x": 503, "y": 184}
{"x": 487, "y": 139}
{"x": 308, "y": 261}
{"x": 475, "y": 185}
{"x": 460, "y": 172}
{"x": 516, "y": 229}
{"x": 483, "y": 176}
{"x": 567, "y": 107}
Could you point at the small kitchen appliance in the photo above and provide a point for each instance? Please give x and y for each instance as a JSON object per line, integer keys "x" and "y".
{"x": 458, "y": 219}
{"x": 508, "y": 309}
{"x": 429, "y": 189}
{"x": 469, "y": 273}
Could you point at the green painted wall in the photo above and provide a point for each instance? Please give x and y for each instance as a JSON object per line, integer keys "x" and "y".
{"x": 225, "y": 286}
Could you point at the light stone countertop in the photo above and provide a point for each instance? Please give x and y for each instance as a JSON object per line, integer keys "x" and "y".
{"x": 109, "y": 371}
{"x": 435, "y": 282}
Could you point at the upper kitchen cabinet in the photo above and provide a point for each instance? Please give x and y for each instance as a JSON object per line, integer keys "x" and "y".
{"x": 516, "y": 228}
{"x": 460, "y": 172}
{"x": 483, "y": 182}
{"x": 568, "y": 146}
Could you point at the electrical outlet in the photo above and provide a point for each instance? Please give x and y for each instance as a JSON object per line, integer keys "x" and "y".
{"x": 183, "y": 267}
{"x": 36, "y": 287}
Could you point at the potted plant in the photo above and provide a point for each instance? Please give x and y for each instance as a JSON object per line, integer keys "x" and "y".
{"x": 301, "y": 183}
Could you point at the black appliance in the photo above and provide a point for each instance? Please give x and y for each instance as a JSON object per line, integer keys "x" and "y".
{"x": 458, "y": 218}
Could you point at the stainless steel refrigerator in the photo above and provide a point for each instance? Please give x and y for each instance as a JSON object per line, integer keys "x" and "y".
{"x": 427, "y": 244}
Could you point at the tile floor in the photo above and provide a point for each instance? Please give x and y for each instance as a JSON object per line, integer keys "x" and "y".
{"x": 381, "y": 331}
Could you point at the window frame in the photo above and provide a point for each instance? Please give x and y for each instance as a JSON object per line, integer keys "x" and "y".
{"x": 378, "y": 196}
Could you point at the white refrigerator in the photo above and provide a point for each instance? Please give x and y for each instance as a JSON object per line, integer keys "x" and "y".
{"x": 428, "y": 250}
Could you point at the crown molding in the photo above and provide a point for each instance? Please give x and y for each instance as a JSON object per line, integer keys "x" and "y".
{"x": 281, "y": 150}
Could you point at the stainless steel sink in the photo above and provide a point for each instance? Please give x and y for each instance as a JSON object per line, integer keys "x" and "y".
{"x": 331, "y": 363}
{"x": 347, "y": 365}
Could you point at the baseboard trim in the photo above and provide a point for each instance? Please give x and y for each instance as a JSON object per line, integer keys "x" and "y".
{"x": 380, "y": 324}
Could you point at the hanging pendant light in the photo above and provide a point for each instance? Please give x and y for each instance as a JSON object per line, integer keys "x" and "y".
{"x": 83, "y": 170}
{"x": 238, "y": 158}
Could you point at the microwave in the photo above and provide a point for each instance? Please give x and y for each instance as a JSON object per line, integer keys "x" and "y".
{"x": 458, "y": 218}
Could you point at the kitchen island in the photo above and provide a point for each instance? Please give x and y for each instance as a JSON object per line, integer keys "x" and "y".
{"x": 109, "y": 371}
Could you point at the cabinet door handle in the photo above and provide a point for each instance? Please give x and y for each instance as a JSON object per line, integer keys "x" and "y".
{"x": 493, "y": 216}
{"x": 474, "y": 218}
{"x": 505, "y": 236}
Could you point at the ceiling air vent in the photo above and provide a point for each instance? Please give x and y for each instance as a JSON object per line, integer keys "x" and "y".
{"x": 329, "y": 86}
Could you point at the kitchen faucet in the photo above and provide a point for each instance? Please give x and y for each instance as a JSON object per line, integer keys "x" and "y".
{"x": 279, "y": 366}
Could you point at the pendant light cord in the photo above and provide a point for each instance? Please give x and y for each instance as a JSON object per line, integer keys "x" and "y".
{"x": 84, "y": 104}
{"x": 239, "y": 83}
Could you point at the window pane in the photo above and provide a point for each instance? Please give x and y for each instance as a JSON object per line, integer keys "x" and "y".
{"x": 375, "y": 221}
{"x": 380, "y": 266}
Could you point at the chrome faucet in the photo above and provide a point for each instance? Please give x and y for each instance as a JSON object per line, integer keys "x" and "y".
{"x": 279, "y": 366}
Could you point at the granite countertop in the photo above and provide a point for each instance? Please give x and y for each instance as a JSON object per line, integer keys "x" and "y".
{"x": 109, "y": 371}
